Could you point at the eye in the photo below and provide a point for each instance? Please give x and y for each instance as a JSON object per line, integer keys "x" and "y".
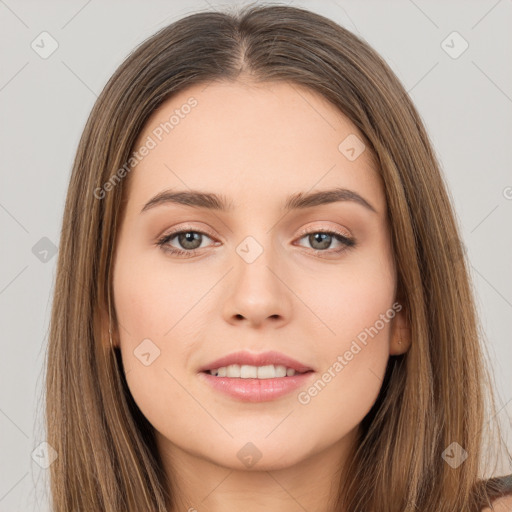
{"x": 189, "y": 239}
{"x": 320, "y": 240}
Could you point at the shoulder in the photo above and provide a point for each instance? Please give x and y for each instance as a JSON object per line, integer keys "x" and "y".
{"x": 503, "y": 504}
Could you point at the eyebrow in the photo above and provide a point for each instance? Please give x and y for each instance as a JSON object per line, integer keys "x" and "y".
{"x": 219, "y": 202}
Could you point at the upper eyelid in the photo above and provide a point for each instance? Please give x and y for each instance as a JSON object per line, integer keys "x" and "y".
{"x": 325, "y": 229}
{"x": 187, "y": 229}
{"x": 311, "y": 229}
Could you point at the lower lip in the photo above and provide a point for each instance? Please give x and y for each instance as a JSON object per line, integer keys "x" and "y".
{"x": 256, "y": 390}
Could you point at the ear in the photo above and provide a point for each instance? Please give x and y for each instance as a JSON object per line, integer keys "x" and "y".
{"x": 400, "y": 340}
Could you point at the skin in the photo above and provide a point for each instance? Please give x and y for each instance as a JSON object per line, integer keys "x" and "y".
{"x": 501, "y": 505}
{"x": 256, "y": 144}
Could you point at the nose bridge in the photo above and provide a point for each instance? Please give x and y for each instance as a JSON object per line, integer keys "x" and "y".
{"x": 257, "y": 291}
{"x": 258, "y": 259}
{"x": 259, "y": 231}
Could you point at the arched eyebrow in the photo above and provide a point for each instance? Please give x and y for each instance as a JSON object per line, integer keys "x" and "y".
{"x": 219, "y": 202}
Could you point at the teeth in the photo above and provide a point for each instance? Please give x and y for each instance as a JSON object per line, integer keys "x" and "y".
{"x": 246, "y": 371}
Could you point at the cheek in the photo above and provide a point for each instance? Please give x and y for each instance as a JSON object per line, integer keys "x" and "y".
{"x": 356, "y": 309}
{"x": 147, "y": 308}
{"x": 349, "y": 381}
{"x": 150, "y": 300}
{"x": 348, "y": 301}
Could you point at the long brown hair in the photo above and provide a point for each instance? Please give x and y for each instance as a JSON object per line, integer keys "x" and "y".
{"x": 438, "y": 393}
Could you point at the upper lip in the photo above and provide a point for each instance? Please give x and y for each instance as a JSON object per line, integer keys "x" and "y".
{"x": 252, "y": 359}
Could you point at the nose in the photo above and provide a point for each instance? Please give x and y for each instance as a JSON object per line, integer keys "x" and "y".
{"x": 258, "y": 293}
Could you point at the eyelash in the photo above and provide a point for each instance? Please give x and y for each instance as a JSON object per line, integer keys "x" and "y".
{"x": 348, "y": 243}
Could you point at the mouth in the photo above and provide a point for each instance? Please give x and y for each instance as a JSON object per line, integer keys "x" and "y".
{"x": 245, "y": 371}
{"x": 250, "y": 377}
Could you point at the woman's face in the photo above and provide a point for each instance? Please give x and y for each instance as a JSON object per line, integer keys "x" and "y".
{"x": 262, "y": 278}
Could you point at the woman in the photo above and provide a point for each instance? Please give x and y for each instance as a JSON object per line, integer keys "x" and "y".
{"x": 261, "y": 299}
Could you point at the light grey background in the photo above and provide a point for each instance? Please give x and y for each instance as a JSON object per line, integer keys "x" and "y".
{"x": 466, "y": 103}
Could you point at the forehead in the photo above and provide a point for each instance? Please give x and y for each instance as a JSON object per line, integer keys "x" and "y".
{"x": 252, "y": 142}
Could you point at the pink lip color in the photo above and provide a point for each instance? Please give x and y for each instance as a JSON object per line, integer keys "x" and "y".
{"x": 256, "y": 390}
{"x": 261, "y": 359}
